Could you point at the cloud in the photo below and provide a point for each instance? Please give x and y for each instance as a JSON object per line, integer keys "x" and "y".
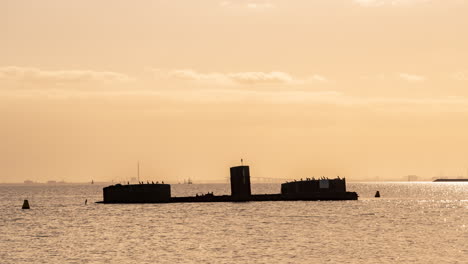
{"x": 247, "y": 4}
{"x": 460, "y": 76}
{"x": 411, "y": 77}
{"x": 191, "y": 75}
{"x": 318, "y": 78}
{"x": 241, "y": 78}
{"x": 261, "y": 77}
{"x": 250, "y": 96}
{"x": 376, "y": 77}
{"x": 225, "y": 3}
{"x": 399, "y": 76}
{"x": 260, "y": 5}
{"x": 35, "y": 75}
{"x": 374, "y": 3}
{"x": 258, "y": 97}
{"x": 284, "y": 97}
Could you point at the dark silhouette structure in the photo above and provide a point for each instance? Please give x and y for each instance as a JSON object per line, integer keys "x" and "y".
{"x": 240, "y": 183}
{"x": 307, "y": 190}
{"x": 451, "y": 180}
{"x": 25, "y": 204}
{"x": 137, "y": 193}
{"x": 320, "y": 189}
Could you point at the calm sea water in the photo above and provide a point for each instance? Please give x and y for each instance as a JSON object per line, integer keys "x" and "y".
{"x": 411, "y": 223}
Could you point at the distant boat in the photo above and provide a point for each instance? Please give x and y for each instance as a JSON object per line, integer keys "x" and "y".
{"x": 92, "y": 181}
{"x": 189, "y": 181}
{"x": 451, "y": 180}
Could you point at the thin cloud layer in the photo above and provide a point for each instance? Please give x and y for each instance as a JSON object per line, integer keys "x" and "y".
{"x": 389, "y": 77}
{"x": 460, "y": 76}
{"x": 411, "y": 77}
{"x": 318, "y": 78}
{"x": 260, "y": 5}
{"x": 247, "y": 4}
{"x": 374, "y": 3}
{"x": 244, "y": 78}
{"x": 235, "y": 78}
{"x": 261, "y": 77}
{"x": 35, "y": 75}
{"x": 258, "y": 97}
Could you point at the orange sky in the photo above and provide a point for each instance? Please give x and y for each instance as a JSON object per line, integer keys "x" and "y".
{"x": 356, "y": 88}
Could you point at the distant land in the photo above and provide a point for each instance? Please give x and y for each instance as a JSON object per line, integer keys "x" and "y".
{"x": 451, "y": 180}
{"x": 256, "y": 180}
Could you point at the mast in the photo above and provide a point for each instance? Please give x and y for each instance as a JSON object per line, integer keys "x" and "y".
{"x": 138, "y": 171}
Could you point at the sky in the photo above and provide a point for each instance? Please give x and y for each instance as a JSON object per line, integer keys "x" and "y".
{"x": 363, "y": 89}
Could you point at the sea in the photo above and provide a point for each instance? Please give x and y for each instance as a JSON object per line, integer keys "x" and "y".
{"x": 412, "y": 222}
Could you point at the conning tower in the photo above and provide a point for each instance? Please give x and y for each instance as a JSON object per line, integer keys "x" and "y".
{"x": 240, "y": 183}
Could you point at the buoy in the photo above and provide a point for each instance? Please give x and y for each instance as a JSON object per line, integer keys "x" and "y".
{"x": 377, "y": 194}
{"x": 25, "y": 205}
{"x": 86, "y": 202}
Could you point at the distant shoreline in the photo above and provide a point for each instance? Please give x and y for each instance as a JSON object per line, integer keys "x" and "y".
{"x": 451, "y": 180}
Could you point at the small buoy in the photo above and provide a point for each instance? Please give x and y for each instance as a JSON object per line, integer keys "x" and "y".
{"x": 25, "y": 205}
{"x": 86, "y": 202}
{"x": 377, "y": 194}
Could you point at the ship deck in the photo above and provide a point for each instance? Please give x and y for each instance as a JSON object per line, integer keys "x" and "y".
{"x": 325, "y": 196}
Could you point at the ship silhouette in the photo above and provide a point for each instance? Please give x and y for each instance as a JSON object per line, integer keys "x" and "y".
{"x": 310, "y": 189}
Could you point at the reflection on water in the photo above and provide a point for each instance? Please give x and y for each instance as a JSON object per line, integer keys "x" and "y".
{"x": 412, "y": 222}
